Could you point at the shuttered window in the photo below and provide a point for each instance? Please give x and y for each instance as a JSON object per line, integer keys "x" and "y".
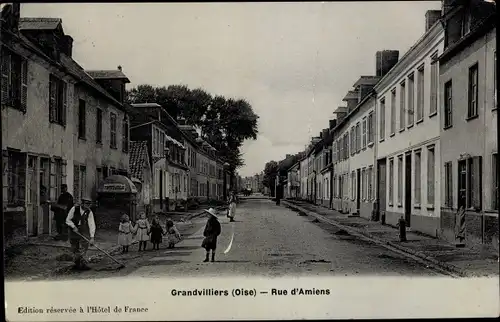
{"x": 370, "y": 128}
{"x": 364, "y": 133}
{"x": 16, "y": 177}
{"x": 14, "y": 84}
{"x": 58, "y": 100}
{"x": 400, "y": 180}
{"x": 418, "y": 178}
{"x": 391, "y": 182}
{"x": 370, "y": 183}
{"x": 112, "y": 128}
{"x": 82, "y": 118}
{"x": 98, "y": 135}
{"x": 125, "y": 135}
{"x": 495, "y": 172}
{"x": 353, "y": 140}
{"x": 430, "y": 175}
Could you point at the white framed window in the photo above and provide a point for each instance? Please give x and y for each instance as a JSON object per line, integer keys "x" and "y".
{"x": 431, "y": 174}
{"x": 393, "y": 111}
{"x": 382, "y": 120}
{"x": 402, "y": 105}
{"x": 420, "y": 92}
{"x": 370, "y": 183}
{"x": 400, "y": 180}
{"x": 411, "y": 99}
{"x": 391, "y": 182}
{"x": 434, "y": 84}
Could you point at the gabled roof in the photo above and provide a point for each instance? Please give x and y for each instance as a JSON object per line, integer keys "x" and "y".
{"x": 39, "y": 23}
{"x": 138, "y": 158}
{"x": 108, "y": 74}
{"x": 351, "y": 95}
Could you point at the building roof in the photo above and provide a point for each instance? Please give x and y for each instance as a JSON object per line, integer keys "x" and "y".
{"x": 39, "y": 23}
{"x": 351, "y": 95}
{"x": 146, "y": 105}
{"x": 138, "y": 157}
{"x": 108, "y": 74}
{"x": 367, "y": 80}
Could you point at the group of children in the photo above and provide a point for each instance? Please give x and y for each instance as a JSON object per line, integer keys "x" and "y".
{"x": 145, "y": 232}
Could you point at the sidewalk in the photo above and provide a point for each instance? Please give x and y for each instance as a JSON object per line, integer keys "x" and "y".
{"x": 466, "y": 262}
{"x": 41, "y": 256}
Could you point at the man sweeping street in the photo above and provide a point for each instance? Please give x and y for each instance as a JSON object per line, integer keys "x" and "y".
{"x": 81, "y": 221}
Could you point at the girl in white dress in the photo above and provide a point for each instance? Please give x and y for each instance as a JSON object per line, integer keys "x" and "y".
{"x": 142, "y": 230}
{"x": 125, "y": 233}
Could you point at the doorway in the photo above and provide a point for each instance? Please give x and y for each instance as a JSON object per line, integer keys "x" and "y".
{"x": 44, "y": 212}
{"x": 408, "y": 189}
{"x": 32, "y": 189}
{"x": 462, "y": 184}
{"x": 381, "y": 183}
{"x": 358, "y": 191}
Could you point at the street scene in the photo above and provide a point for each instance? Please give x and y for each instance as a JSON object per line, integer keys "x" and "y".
{"x": 205, "y": 154}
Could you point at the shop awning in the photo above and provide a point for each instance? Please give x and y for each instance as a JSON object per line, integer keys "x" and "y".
{"x": 117, "y": 184}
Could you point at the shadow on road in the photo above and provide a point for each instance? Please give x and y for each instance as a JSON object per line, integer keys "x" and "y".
{"x": 232, "y": 261}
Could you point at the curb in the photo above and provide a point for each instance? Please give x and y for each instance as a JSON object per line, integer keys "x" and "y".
{"x": 449, "y": 269}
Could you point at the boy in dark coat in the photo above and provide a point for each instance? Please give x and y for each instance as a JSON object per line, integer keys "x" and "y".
{"x": 212, "y": 231}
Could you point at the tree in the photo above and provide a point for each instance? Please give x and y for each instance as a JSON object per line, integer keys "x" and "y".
{"x": 270, "y": 172}
{"x": 224, "y": 123}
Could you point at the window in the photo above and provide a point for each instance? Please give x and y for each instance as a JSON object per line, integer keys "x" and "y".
{"x": 353, "y": 140}
{"x": 466, "y": 22}
{"x": 472, "y": 92}
{"x": 418, "y": 181}
{"x": 155, "y": 138}
{"x": 364, "y": 133}
{"x": 112, "y": 128}
{"x": 391, "y": 182}
{"x": 495, "y": 172}
{"x": 370, "y": 128}
{"x": 393, "y": 111}
{"x": 80, "y": 182}
{"x": 400, "y": 180}
{"x": 125, "y": 135}
{"x": 411, "y": 99}
{"x": 448, "y": 104}
{"x": 346, "y": 140}
{"x": 353, "y": 185}
{"x": 14, "y": 80}
{"x": 448, "y": 193}
{"x": 420, "y": 93}
{"x": 402, "y": 105}
{"x": 358, "y": 137}
{"x": 14, "y": 180}
{"x": 334, "y": 151}
{"x": 81, "y": 119}
{"x": 370, "y": 183}
{"x": 434, "y": 84}
{"x": 58, "y": 100}
{"x": 382, "y": 120}
{"x": 430, "y": 175}
{"x": 98, "y": 134}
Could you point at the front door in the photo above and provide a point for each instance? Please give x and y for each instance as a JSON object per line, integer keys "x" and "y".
{"x": 32, "y": 189}
{"x": 408, "y": 190}
{"x": 44, "y": 194}
{"x": 381, "y": 183}
{"x": 358, "y": 191}
{"x": 462, "y": 184}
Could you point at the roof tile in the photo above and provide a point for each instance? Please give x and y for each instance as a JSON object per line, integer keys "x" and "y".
{"x": 138, "y": 155}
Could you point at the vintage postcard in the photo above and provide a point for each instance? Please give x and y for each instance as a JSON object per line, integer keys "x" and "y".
{"x": 218, "y": 161}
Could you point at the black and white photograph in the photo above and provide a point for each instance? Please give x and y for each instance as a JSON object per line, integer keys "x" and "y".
{"x": 188, "y": 143}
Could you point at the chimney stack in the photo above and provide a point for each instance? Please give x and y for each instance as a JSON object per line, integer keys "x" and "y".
{"x": 431, "y": 17}
{"x": 332, "y": 123}
{"x": 386, "y": 59}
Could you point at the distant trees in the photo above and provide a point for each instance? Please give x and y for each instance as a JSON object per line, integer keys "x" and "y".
{"x": 270, "y": 172}
{"x": 225, "y": 123}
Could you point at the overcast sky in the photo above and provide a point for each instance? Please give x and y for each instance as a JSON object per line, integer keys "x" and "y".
{"x": 294, "y": 62}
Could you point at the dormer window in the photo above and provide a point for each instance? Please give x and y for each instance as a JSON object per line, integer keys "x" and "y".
{"x": 466, "y": 23}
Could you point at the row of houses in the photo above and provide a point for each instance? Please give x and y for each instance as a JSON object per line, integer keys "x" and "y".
{"x": 418, "y": 139}
{"x": 64, "y": 125}
{"x": 254, "y": 183}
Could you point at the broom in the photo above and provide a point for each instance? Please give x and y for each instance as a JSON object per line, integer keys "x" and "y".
{"x": 103, "y": 251}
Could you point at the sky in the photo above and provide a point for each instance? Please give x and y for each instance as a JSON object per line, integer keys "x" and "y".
{"x": 294, "y": 62}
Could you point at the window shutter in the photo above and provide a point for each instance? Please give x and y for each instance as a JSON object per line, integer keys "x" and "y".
{"x": 24, "y": 85}
{"x": 52, "y": 99}
{"x": 64, "y": 171}
{"x": 5, "y": 77}
{"x": 6, "y": 175}
{"x": 76, "y": 183}
{"x": 64, "y": 108}
{"x": 52, "y": 180}
{"x": 476, "y": 182}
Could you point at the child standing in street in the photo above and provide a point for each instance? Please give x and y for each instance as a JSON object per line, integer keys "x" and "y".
{"x": 156, "y": 233}
{"x": 142, "y": 231}
{"x": 173, "y": 235}
{"x": 125, "y": 233}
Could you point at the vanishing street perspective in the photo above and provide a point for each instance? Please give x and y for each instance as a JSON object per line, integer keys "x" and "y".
{"x": 127, "y": 171}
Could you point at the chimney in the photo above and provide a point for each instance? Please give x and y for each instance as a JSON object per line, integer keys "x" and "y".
{"x": 67, "y": 45}
{"x": 119, "y": 68}
{"x": 385, "y": 60}
{"x": 431, "y": 17}
{"x": 332, "y": 123}
{"x": 446, "y": 6}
